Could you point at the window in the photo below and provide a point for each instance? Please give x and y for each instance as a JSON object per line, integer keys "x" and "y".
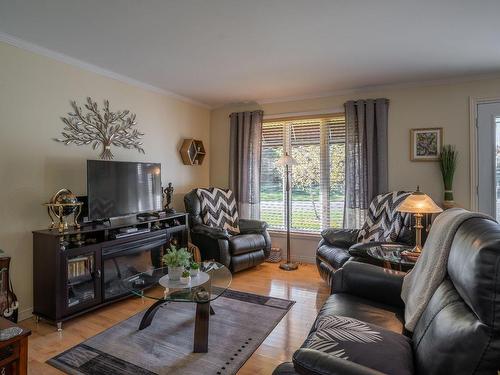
{"x": 317, "y": 199}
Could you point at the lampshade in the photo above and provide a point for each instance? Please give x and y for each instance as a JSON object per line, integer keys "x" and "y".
{"x": 419, "y": 203}
{"x": 286, "y": 160}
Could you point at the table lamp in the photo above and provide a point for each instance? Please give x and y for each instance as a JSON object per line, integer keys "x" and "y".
{"x": 418, "y": 204}
{"x": 287, "y": 161}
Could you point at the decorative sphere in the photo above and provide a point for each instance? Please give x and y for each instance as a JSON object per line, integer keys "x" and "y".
{"x": 65, "y": 196}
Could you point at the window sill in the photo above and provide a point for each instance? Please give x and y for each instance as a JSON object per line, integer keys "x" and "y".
{"x": 301, "y": 235}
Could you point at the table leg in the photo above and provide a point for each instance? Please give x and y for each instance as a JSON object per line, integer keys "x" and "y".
{"x": 23, "y": 356}
{"x": 201, "y": 327}
{"x": 150, "y": 314}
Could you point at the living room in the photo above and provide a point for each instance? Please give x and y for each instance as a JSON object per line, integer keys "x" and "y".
{"x": 228, "y": 187}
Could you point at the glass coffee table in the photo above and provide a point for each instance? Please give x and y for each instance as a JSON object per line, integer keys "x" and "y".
{"x": 393, "y": 256}
{"x": 210, "y": 283}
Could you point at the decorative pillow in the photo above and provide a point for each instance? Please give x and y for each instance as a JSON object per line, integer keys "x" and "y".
{"x": 383, "y": 222}
{"x": 218, "y": 209}
{"x": 363, "y": 343}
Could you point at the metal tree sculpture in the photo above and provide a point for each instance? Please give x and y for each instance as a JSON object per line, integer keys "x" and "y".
{"x": 104, "y": 128}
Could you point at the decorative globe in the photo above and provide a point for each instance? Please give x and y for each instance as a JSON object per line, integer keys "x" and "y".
{"x": 65, "y": 196}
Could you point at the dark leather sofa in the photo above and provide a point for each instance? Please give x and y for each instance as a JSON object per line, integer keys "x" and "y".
{"x": 338, "y": 245}
{"x": 458, "y": 333}
{"x": 237, "y": 252}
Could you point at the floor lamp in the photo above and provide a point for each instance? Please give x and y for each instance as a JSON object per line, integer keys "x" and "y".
{"x": 287, "y": 161}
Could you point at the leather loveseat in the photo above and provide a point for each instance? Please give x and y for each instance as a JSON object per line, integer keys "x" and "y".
{"x": 237, "y": 252}
{"x": 383, "y": 224}
{"x": 458, "y": 333}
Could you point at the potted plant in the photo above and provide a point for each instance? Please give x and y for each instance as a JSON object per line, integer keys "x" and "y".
{"x": 185, "y": 278}
{"x": 448, "y": 164}
{"x": 194, "y": 269}
{"x": 177, "y": 261}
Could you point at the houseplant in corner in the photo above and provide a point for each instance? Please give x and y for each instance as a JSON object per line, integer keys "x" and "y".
{"x": 176, "y": 261}
{"x": 448, "y": 164}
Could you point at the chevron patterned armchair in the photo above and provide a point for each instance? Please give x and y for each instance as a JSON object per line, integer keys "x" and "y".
{"x": 383, "y": 224}
{"x": 218, "y": 241}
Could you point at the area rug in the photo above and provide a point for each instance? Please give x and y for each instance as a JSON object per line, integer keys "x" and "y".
{"x": 240, "y": 324}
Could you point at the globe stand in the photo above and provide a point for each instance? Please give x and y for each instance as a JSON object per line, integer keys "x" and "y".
{"x": 58, "y": 210}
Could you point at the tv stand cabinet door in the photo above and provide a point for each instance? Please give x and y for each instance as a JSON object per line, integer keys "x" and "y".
{"x": 81, "y": 270}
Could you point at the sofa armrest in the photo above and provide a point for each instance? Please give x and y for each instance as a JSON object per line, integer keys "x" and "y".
{"x": 252, "y": 226}
{"x": 340, "y": 237}
{"x": 310, "y": 361}
{"x": 369, "y": 281}
{"x": 212, "y": 232}
{"x": 285, "y": 368}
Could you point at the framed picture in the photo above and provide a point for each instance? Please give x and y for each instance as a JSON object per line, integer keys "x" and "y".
{"x": 426, "y": 144}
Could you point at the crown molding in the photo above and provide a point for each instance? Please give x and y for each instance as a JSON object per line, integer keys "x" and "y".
{"x": 402, "y": 85}
{"x": 20, "y": 43}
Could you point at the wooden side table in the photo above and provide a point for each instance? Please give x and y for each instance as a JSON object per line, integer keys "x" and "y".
{"x": 14, "y": 351}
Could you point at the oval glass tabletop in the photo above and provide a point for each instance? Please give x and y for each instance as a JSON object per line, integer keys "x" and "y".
{"x": 391, "y": 253}
{"x": 212, "y": 280}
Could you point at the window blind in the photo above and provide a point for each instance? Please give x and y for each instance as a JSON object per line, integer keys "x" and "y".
{"x": 318, "y": 178}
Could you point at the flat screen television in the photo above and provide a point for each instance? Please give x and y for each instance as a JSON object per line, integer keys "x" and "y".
{"x": 116, "y": 188}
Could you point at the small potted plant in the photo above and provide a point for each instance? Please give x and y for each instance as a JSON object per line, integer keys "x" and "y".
{"x": 185, "y": 278}
{"x": 194, "y": 269}
{"x": 176, "y": 261}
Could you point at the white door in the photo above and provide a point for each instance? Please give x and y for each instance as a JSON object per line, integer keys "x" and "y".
{"x": 488, "y": 157}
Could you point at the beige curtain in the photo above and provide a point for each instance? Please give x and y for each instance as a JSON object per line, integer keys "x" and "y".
{"x": 244, "y": 161}
{"x": 366, "y": 157}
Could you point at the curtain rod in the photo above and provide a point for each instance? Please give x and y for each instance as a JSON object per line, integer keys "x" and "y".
{"x": 307, "y": 113}
{"x": 364, "y": 100}
{"x": 257, "y": 110}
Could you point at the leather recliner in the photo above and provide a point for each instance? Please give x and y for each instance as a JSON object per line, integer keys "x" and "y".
{"x": 237, "y": 252}
{"x": 458, "y": 332}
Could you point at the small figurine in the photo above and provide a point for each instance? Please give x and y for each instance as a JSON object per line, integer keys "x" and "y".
{"x": 168, "y": 194}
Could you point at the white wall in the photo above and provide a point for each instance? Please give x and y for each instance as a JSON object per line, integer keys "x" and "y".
{"x": 436, "y": 105}
{"x": 34, "y": 93}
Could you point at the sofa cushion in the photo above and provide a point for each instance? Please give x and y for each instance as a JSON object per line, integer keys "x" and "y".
{"x": 448, "y": 326}
{"x": 363, "y": 343}
{"x": 333, "y": 255}
{"x": 385, "y": 316}
{"x": 245, "y": 243}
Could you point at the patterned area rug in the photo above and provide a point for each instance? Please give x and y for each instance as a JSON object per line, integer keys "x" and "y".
{"x": 240, "y": 324}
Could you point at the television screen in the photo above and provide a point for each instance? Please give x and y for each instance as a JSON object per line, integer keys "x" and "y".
{"x": 117, "y": 188}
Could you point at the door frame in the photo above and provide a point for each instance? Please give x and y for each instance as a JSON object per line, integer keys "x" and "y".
{"x": 473, "y": 128}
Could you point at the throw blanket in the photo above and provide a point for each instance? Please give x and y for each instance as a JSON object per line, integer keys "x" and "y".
{"x": 430, "y": 270}
{"x": 218, "y": 209}
{"x": 383, "y": 222}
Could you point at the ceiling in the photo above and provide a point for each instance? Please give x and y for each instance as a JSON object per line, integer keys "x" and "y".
{"x": 225, "y": 51}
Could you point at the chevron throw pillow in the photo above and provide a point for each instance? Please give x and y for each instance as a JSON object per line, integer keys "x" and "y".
{"x": 218, "y": 209}
{"x": 383, "y": 222}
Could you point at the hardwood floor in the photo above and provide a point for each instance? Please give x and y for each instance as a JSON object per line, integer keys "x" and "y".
{"x": 303, "y": 286}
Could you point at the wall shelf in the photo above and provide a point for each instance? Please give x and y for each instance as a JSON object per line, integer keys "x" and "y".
{"x": 192, "y": 152}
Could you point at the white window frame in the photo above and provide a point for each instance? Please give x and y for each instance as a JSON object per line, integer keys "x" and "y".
{"x": 324, "y": 167}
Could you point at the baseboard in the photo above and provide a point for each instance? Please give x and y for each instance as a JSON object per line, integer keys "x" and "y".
{"x": 25, "y": 314}
{"x": 304, "y": 259}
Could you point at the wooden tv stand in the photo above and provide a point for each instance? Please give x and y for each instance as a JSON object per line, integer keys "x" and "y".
{"x": 80, "y": 270}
